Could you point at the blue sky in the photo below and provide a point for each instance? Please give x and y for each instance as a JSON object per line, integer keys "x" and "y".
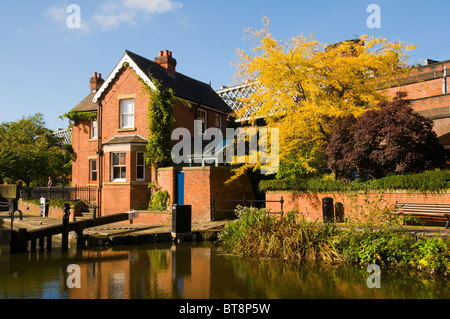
{"x": 46, "y": 65}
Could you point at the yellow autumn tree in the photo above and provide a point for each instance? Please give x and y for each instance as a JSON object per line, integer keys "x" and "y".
{"x": 303, "y": 87}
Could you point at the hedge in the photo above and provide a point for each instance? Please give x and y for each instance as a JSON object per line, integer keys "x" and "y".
{"x": 428, "y": 181}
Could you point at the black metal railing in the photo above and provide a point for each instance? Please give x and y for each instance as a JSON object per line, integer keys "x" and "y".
{"x": 86, "y": 194}
{"x": 244, "y": 202}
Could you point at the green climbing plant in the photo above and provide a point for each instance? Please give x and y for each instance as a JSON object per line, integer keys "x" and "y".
{"x": 76, "y": 115}
{"x": 160, "y": 120}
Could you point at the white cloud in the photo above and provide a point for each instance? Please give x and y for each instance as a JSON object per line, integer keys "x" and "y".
{"x": 57, "y": 14}
{"x": 153, "y": 6}
{"x": 111, "y": 21}
{"x": 113, "y": 13}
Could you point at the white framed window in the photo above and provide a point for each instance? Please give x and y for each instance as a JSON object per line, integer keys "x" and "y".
{"x": 127, "y": 113}
{"x": 93, "y": 170}
{"x": 140, "y": 166}
{"x": 94, "y": 129}
{"x": 202, "y": 115}
{"x": 218, "y": 121}
{"x": 118, "y": 167}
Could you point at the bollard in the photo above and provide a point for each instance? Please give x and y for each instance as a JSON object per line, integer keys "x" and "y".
{"x": 181, "y": 221}
{"x": 327, "y": 209}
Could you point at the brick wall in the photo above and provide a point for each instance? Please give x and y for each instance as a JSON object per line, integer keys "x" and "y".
{"x": 201, "y": 183}
{"x": 84, "y": 149}
{"x": 310, "y": 204}
{"x": 424, "y": 88}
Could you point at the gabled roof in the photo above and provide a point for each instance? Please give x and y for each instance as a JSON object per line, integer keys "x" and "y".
{"x": 126, "y": 139}
{"x": 87, "y": 105}
{"x": 183, "y": 86}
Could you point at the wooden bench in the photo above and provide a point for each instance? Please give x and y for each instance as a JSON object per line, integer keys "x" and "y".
{"x": 427, "y": 211}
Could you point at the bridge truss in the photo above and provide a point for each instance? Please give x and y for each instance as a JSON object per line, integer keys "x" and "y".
{"x": 232, "y": 95}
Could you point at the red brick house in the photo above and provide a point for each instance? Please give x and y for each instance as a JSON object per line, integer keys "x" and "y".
{"x": 109, "y": 152}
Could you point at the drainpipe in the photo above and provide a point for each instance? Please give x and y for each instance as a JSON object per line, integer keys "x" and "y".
{"x": 444, "y": 84}
{"x": 100, "y": 158}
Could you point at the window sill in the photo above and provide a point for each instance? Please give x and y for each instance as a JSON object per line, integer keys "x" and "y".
{"x": 92, "y": 140}
{"x": 126, "y": 129}
{"x": 126, "y": 183}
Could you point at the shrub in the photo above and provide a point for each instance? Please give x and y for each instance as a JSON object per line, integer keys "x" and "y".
{"x": 429, "y": 181}
{"x": 256, "y": 232}
{"x": 160, "y": 200}
{"x": 391, "y": 138}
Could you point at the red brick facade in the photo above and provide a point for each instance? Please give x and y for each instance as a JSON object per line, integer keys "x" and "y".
{"x": 85, "y": 149}
{"x": 123, "y": 194}
{"x": 428, "y": 92}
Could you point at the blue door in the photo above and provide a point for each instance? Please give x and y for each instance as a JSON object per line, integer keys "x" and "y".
{"x": 179, "y": 188}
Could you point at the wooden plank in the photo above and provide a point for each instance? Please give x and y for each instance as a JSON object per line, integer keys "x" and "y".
{"x": 426, "y": 206}
{"x": 425, "y": 214}
{"x": 81, "y": 225}
{"x": 421, "y": 212}
{"x": 440, "y": 209}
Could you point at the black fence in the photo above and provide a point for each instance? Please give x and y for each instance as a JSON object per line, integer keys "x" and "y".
{"x": 86, "y": 194}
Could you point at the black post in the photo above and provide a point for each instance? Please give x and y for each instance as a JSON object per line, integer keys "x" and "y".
{"x": 49, "y": 243}
{"x": 65, "y": 233}
{"x": 327, "y": 209}
{"x": 282, "y": 203}
{"x": 41, "y": 244}
{"x": 213, "y": 206}
{"x": 22, "y": 240}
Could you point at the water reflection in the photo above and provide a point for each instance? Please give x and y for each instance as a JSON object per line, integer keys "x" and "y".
{"x": 200, "y": 271}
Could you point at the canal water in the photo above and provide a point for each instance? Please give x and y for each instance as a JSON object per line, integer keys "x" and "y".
{"x": 196, "y": 271}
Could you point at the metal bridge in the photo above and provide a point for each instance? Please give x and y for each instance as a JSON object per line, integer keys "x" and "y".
{"x": 64, "y": 135}
{"x": 232, "y": 95}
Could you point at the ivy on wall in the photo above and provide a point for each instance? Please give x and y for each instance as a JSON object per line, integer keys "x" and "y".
{"x": 160, "y": 120}
{"x": 75, "y": 115}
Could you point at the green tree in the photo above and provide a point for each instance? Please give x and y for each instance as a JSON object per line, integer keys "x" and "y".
{"x": 29, "y": 151}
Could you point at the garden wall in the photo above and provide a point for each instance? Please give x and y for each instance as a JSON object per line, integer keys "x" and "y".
{"x": 310, "y": 204}
{"x": 203, "y": 183}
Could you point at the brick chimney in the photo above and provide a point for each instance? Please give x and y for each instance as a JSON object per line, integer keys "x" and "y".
{"x": 96, "y": 82}
{"x": 165, "y": 60}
